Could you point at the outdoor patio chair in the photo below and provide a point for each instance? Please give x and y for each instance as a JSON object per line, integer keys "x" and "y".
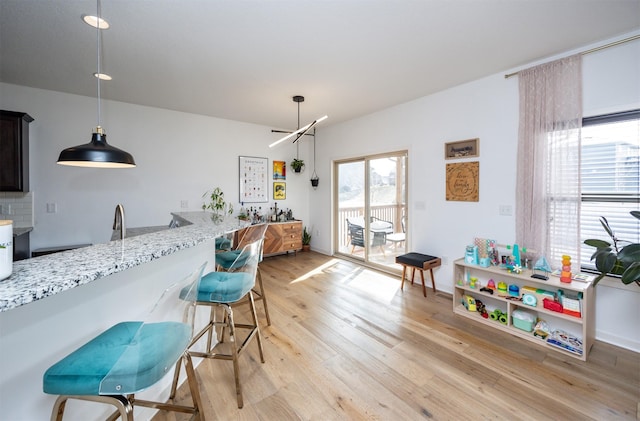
{"x": 356, "y": 232}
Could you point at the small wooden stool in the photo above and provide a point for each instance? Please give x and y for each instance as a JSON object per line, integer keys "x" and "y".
{"x": 421, "y": 262}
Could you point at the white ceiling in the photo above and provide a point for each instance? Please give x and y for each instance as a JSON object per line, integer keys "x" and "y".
{"x": 244, "y": 59}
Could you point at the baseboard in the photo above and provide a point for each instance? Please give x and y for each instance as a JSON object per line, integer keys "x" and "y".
{"x": 618, "y": 341}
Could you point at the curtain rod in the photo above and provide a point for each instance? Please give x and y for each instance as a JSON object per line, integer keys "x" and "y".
{"x": 593, "y": 50}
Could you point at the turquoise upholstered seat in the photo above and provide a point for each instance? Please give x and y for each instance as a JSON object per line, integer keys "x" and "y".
{"x": 109, "y": 364}
{"x": 223, "y": 243}
{"x": 231, "y": 258}
{"x": 225, "y": 287}
{"x": 132, "y": 356}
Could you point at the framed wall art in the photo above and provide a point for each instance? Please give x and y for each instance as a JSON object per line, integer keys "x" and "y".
{"x": 463, "y": 181}
{"x": 279, "y": 190}
{"x": 253, "y": 179}
{"x": 279, "y": 170}
{"x": 462, "y": 149}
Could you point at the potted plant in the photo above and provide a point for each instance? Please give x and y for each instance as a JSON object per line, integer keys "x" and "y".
{"x": 306, "y": 240}
{"x": 616, "y": 259}
{"x": 297, "y": 164}
{"x": 217, "y": 203}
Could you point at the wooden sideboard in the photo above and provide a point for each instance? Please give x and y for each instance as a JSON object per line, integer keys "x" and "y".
{"x": 281, "y": 237}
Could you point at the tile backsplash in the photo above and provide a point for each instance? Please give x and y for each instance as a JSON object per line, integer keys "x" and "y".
{"x": 18, "y": 207}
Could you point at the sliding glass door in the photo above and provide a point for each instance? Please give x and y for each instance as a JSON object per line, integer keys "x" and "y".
{"x": 370, "y": 208}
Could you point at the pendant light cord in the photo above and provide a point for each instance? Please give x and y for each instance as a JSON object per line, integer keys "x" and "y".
{"x": 99, "y": 16}
{"x": 298, "y": 143}
{"x": 314, "y": 152}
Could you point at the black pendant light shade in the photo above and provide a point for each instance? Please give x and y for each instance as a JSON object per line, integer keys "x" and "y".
{"x": 97, "y": 153}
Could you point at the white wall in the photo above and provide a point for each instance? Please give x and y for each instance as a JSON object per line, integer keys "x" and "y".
{"x": 487, "y": 109}
{"x": 179, "y": 157}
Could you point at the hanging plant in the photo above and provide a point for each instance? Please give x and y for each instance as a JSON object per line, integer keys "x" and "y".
{"x": 297, "y": 164}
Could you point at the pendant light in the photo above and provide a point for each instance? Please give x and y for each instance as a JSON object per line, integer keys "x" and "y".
{"x": 301, "y": 130}
{"x": 97, "y": 153}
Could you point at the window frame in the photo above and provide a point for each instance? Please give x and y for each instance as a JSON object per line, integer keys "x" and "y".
{"x": 589, "y": 266}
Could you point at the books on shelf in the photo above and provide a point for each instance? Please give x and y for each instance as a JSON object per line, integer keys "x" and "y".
{"x": 566, "y": 341}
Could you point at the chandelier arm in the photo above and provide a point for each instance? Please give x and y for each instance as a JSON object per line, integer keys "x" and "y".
{"x": 309, "y": 127}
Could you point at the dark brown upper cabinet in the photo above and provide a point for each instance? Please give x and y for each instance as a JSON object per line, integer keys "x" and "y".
{"x": 14, "y": 151}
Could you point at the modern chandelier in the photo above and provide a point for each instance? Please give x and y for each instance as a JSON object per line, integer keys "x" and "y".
{"x": 301, "y": 130}
{"x": 97, "y": 153}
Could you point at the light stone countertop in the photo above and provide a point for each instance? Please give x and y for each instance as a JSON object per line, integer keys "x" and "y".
{"x": 40, "y": 277}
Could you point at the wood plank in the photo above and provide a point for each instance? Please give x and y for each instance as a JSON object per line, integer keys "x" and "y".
{"x": 347, "y": 343}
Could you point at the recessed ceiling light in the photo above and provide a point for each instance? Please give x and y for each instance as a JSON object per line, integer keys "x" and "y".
{"x": 102, "y": 76}
{"x": 94, "y": 20}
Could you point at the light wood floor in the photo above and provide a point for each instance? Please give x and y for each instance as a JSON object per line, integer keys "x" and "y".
{"x": 346, "y": 343}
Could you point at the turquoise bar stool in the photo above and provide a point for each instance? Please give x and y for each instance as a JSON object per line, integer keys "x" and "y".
{"x": 227, "y": 260}
{"x": 223, "y": 244}
{"x": 222, "y": 291}
{"x": 132, "y": 356}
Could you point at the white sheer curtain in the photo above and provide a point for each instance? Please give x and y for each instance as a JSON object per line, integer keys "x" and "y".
{"x": 548, "y": 174}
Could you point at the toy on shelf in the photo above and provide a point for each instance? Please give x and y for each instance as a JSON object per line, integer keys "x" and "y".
{"x": 565, "y": 275}
{"x": 487, "y": 289}
{"x": 552, "y": 305}
{"x": 486, "y": 251}
{"x": 473, "y": 282}
{"x": 516, "y": 256}
{"x": 514, "y": 290}
{"x": 491, "y": 284}
{"x": 541, "y": 330}
{"x": 498, "y": 315}
{"x": 482, "y": 309}
{"x": 530, "y": 300}
{"x": 471, "y": 255}
{"x": 543, "y": 266}
{"x": 514, "y": 269}
{"x": 565, "y": 340}
{"x": 570, "y": 302}
{"x": 469, "y": 302}
{"x": 502, "y": 289}
{"x": 523, "y": 320}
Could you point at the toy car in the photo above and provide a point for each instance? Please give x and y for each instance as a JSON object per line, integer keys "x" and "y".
{"x": 469, "y": 302}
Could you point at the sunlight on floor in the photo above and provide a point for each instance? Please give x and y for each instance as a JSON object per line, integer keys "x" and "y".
{"x": 377, "y": 285}
{"x": 316, "y": 271}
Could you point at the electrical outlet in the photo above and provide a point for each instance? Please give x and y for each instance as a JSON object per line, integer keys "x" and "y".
{"x": 445, "y": 260}
{"x": 5, "y": 209}
{"x": 317, "y": 232}
{"x": 184, "y": 204}
{"x": 506, "y": 210}
{"x": 52, "y": 208}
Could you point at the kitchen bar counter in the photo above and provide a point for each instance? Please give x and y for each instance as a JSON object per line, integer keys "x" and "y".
{"x": 53, "y": 304}
{"x": 41, "y": 277}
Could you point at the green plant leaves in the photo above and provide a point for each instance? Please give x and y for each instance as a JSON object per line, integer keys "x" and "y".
{"x": 625, "y": 263}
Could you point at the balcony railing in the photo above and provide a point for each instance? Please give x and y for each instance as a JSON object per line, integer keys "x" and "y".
{"x": 392, "y": 213}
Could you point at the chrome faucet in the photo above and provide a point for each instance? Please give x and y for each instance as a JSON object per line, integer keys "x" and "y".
{"x": 118, "y": 221}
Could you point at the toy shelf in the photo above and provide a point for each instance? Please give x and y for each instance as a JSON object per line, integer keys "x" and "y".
{"x": 475, "y": 292}
{"x": 582, "y": 327}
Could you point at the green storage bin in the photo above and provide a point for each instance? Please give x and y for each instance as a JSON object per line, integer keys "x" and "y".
{"x": 523, "y": 320}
